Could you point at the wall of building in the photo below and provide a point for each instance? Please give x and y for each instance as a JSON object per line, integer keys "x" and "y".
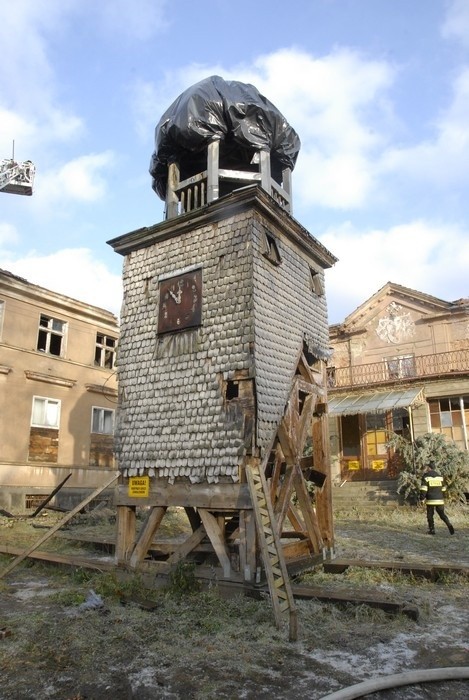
{"x": 401, "y": 323}
{"x": 35, "y": 459}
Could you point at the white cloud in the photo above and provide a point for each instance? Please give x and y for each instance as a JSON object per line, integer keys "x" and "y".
{"x": 28, "y": 96}
{"x": 445, "y": 159}
{"x": 73, "y": 272}
{"x": 79, "y": 180}
{"x": 456, "y": 25}
{"x": 421, "y": 255}
{"x": 8, "y": 235}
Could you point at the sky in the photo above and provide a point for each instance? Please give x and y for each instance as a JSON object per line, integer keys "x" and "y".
{"x": 377, "y": 90}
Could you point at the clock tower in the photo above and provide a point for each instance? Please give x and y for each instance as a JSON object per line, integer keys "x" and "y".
{"x": 222, "y": 393}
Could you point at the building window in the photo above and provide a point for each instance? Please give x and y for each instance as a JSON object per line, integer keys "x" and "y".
{"x": 51, "y": 336}
{"x": 450, "y": 417}
{"x": 400, "y": 367}
{"x": 105, "y": 352}
{"x": 102, "y": 421}
{"x": 46, "y": 412}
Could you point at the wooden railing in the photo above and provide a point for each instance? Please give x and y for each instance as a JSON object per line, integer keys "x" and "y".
{"x": 186, "y": 195}
{"x": 392, "y": 370}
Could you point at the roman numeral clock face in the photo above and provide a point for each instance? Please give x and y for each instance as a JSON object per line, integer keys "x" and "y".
{"x": 180, "y": 302}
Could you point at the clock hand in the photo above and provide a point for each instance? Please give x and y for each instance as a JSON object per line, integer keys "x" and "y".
{"x": 177, "y": 298}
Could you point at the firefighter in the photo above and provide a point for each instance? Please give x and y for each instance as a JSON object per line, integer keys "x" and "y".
{"x": 432, "y": 491}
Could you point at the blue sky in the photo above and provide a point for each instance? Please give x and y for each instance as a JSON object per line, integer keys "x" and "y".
{"x": 378, "y": 91}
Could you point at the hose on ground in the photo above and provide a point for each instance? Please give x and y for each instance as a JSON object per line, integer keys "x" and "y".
{"x": 398, "y": 679}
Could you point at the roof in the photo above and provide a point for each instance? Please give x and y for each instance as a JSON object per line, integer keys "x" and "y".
{"x": 375, "y": 401}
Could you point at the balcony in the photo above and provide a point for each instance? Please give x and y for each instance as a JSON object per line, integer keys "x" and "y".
{"x": 399, "y": 370}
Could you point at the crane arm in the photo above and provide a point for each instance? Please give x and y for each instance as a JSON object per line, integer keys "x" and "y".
{"x": 17, "y": 178}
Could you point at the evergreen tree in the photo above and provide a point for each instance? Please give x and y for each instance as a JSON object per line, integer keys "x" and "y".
{"x": 451, "y": 462}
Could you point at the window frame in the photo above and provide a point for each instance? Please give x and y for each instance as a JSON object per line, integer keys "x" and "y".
{"x": 405, "y": 366}
{"x": 271, "y": 249}
{"x": 48, "y": 400}
{"x": 51, "y": 334}
{"x": 102, "y": 348}
{"x": 442, "y": 421}
{"x": 316, "y": 282}
{"x": 101, "y": 420}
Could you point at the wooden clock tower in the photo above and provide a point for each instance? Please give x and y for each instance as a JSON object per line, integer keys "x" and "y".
{"x": 221, "y": 368}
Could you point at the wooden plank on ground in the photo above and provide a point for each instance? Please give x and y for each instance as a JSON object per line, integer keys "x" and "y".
{"x": 63, "y": 559}
{"x": 348, "y": 597}
{"x": 56, "y": 527}
{"x": 428, "y": 571}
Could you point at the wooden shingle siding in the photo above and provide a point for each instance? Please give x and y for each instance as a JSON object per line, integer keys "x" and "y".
{"x": 194, "y": 403}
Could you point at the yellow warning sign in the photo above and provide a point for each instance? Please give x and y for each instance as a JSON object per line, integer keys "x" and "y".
{"x": 353, "y": 464}
{"x": 139, "y": 486}
{"x": 378, "y": 465}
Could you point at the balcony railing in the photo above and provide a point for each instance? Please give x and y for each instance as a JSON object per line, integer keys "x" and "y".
{"x": 403, "y": 369}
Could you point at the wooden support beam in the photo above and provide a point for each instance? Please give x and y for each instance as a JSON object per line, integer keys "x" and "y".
{"x": 213, "y": 152}
{"x": 50, "y": 496}
{"x": 276, "y": 472}
{"x": 150, "y": 526}
{"x": 247, "y": 545}
{"x": 295, "y": 550}
{"x": 126, "y": 529}
{"x": 193, "y": 517}
{"x": 264, "y": 166}
{"x": 282, "y": 503}
{"x": 307, "y": 510}
{"x": 215, "y": 535}
{"x": 221, "y": 496}
{"x": 295, "y": 519}
{"x": 172, "y": 200}
{"x": 322, "y": 461}
{"x": 181, "y": 551}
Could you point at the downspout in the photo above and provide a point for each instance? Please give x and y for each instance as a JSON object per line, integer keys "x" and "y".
{"x": 411, "y": 425}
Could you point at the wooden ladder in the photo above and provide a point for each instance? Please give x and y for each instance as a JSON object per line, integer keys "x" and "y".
{"x": 275, "y": 567}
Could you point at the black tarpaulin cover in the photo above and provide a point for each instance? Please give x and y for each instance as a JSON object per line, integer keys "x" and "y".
{"x": 235, "y": 113}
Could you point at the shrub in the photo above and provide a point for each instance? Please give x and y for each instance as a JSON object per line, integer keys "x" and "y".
{"x": 449, "y": 460}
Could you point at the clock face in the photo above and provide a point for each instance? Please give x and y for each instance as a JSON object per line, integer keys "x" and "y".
{"x": 180, "y": 302}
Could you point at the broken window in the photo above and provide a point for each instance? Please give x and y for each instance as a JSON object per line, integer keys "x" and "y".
{"x": 46, "y": 412}
{"x": 270, "y": 249}
{"x": 105, "y": 352}
{"x": 317, "y": 285}
{"x": 102, "y": 421}
{"x": 232, "y": 390}
{"x": 51, "y": 336}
